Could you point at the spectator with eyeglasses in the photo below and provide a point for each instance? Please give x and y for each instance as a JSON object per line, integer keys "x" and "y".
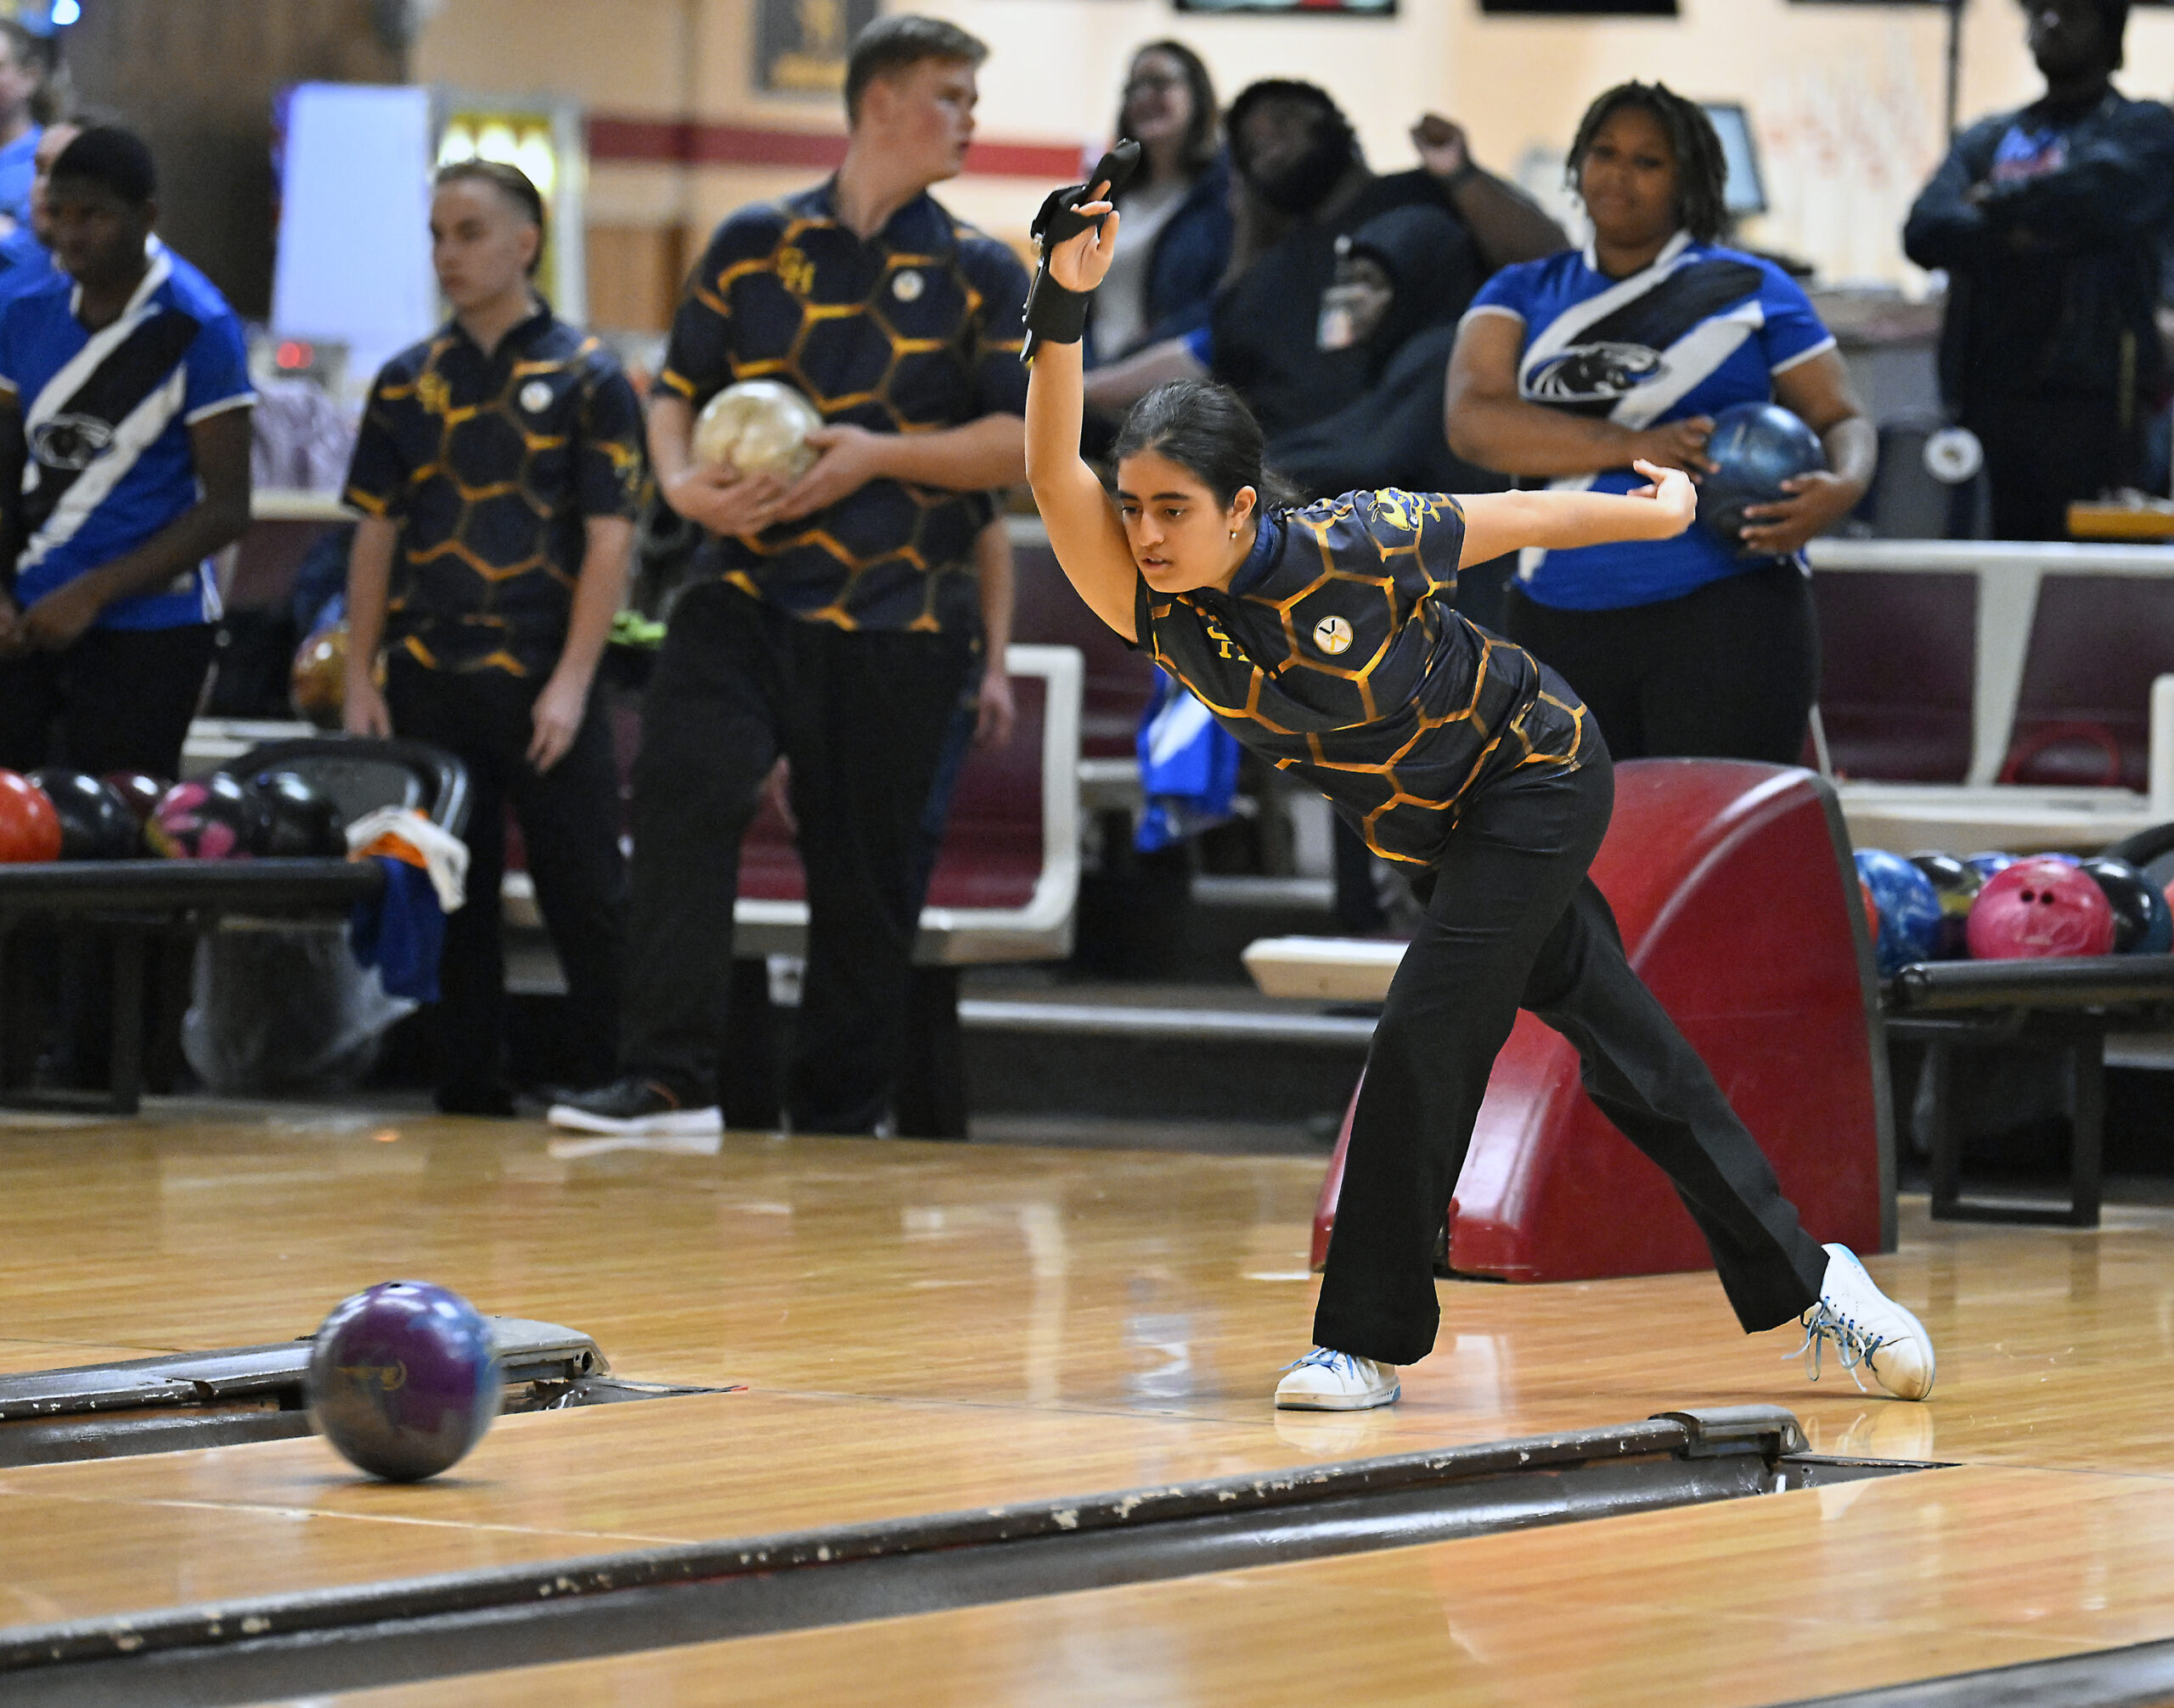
{"x": 1177, "y": 207}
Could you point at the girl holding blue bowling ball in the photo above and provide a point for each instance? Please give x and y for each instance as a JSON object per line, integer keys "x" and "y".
{"x": 1569, "y": 369}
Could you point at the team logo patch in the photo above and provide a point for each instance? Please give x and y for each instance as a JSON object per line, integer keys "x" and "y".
{"x": 70, "y": 441}
{"x": 907, "y": 286}
{"x": 536, "y": 397}
{"x": 1333, "y": 635}
{"x": 1592, "y": 373}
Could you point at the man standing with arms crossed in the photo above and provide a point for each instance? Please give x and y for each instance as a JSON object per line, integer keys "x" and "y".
{"x": 839, "y": 627}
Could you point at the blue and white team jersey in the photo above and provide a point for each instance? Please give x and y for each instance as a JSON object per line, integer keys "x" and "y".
{"x": 1700, "y": 328}
{"x": 106, "y": 417}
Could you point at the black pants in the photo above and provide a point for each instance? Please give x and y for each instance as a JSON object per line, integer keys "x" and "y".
{"x": 863, "y": 717}
{"x": 1514, "y": 923}
{"x": 2043, "y": 453}
{"x": 118, "y": 700}
{"x": 1727, "y": 671}
{"x": 569, "y": 819}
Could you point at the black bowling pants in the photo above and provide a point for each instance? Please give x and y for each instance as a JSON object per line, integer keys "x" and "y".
{"x": 863, "y": 716}
{"x": 1729, "y": 671}
{"x": 569, "y": 819}
{"x": 1514, "y": 923}
{"x": 118, "y": 700}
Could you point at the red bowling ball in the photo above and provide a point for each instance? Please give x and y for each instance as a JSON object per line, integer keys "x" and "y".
{"x": 29, "y": 829}
{"x": 2039, "y": 908}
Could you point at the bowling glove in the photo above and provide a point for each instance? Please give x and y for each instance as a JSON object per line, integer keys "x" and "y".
{"x": 1055, "y": 314}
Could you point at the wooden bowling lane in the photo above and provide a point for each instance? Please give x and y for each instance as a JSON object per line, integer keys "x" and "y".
{"x": 1759, "y": 1601}
{"x": 18, "y": 1357}
{"x": 923, "y": 1328}
{"x": 127, "y": 1535}
{"x": 1026, "y": 1280}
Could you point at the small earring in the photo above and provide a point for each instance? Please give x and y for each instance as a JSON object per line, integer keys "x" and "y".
{"x": 1234, "y": 533}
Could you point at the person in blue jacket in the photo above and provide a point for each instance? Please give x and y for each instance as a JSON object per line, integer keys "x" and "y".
{"x": 1570, "y": 370}
{"x": 1177, "y": 247}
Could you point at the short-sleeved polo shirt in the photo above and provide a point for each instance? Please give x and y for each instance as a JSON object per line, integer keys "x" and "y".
{"x": 1336, "y": 656}
{"x": 914, "y": 330}
{"x": 106, "y": 416}
{"x": 491, "y": 465}
{"x": 1698, "y": 330}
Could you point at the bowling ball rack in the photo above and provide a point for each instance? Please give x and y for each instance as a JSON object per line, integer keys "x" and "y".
{"x": 128, "y": 904}
{"x": 1959, "y": 1008}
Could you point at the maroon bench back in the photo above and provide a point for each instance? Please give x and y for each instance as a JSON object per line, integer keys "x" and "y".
{"x": 2083, "y": 716}
{"x": 1897, "y": 668}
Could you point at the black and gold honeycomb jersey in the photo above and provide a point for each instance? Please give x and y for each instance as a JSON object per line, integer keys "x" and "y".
{"x": 915, "y": 329}
{"x": 1335, "y": 654}
{"x": 491, "y": 465}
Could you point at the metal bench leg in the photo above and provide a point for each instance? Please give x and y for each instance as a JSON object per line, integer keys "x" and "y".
{"x": 18, "y": 1030}
{"x": 2087, "y": 1113}
{"x": 1944, "y": 1139}
{"x": 124, "y": 1069}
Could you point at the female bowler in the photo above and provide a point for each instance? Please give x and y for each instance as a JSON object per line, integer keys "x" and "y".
{"x": 1322, "y": 637}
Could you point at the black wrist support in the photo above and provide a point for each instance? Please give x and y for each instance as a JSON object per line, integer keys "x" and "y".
{"x": 1055, "y": 314}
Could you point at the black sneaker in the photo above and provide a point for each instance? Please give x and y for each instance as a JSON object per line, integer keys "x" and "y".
{"x": 639, "y": 1108}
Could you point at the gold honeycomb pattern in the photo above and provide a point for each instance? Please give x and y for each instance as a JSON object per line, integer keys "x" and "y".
{"x": 476, "y": 497}
{"x": 1376, "y": 723}
{"x": 880, "y": 559}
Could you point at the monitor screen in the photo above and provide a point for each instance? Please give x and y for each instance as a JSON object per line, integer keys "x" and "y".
{"x": 1745, "y": 191}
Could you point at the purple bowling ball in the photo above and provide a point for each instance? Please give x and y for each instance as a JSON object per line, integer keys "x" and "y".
{"x": 402, "y": 1379}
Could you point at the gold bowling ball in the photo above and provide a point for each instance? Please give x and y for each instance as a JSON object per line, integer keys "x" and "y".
{"x": 319, "y": 679}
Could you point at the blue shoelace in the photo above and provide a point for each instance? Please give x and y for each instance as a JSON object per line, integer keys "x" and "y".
{"x": 1854, "y": 1345}
{"x": 1336, "y": 1363}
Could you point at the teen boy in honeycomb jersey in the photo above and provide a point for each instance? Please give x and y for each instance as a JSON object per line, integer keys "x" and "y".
{"x": 840, "y": 626}
{"x": 499, "y": 471}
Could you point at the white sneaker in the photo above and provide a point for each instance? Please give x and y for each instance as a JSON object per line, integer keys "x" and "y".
{"x": 1327, "y": 1381}
{"x": 1870, "y": 1331}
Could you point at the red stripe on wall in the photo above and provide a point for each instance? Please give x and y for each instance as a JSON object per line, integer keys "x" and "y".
{"x": 673, "y": 142}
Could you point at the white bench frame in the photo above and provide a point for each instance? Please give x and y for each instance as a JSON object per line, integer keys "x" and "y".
{"x": 1981, "y": 812}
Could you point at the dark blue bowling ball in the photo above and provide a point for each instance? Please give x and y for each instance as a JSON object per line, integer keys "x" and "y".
{"x": 1909, "y": 910}
{"x": 1990, "y": 864}
{"x": 402, "y": 1379}
{"x": 1754, "y": 448}
{"x": 1957, "y": 886}
{"x": 2142, "y": 924}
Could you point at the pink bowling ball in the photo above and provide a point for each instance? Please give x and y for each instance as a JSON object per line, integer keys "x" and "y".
{"x": 2038, "y": 908}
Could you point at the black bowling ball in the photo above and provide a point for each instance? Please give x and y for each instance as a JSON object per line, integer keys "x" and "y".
{"x": 95, "y": 820}
{"x": 300, "y": 821}
{"x": 1957, "y": 884}
{"x": 2140, "y": 920}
